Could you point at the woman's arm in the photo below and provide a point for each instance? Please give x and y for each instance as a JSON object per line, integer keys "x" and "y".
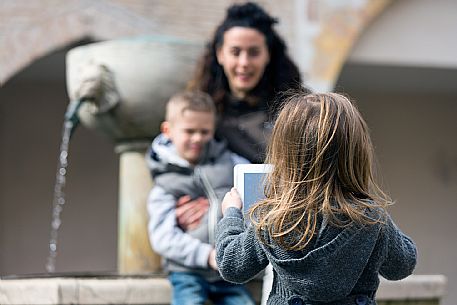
{"x": 189, "y": 213}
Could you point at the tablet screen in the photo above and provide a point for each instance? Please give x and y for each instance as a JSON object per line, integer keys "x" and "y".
{"x": 253, "y": 189}
{"x": 250, "y": 183}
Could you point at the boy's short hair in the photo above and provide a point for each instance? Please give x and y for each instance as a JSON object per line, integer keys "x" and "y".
{"x": 193, "y": 100}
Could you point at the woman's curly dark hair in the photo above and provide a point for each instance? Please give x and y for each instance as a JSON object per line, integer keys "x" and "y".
{"x": 280, "y": 73}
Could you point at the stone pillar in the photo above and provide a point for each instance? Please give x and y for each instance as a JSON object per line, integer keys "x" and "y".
{"x": 135, "y": 254}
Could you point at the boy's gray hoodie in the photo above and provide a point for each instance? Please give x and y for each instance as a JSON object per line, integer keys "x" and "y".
{"x": 173, "y": 178}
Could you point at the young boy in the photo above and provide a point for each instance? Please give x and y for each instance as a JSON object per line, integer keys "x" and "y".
{"x": 185, "y": 160}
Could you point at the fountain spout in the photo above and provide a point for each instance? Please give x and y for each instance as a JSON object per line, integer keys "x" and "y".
{"x": 72, "y": 115}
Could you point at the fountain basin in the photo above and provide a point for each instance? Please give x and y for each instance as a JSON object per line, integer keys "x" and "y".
{"x": 128, "y": 82}
{"x": 155, "y": 290}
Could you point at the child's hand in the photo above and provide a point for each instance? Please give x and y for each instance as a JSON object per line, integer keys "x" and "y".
{"x": 231, "y": 199}
{"x": 212, "y": 259}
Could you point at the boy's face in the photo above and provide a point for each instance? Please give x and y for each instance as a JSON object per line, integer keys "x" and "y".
{"x": 190, "y": 132}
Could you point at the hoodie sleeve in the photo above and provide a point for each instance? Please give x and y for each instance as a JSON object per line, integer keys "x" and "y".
{"x": 167, "y": 238}
{"x": 401, "y": 256}
{"x": 239, "y": 255}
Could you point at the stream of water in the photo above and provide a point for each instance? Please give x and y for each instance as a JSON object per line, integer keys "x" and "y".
{"x": 59, "y": 195}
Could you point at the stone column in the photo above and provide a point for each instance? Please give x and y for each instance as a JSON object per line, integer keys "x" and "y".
{"x": 135, "y": 254}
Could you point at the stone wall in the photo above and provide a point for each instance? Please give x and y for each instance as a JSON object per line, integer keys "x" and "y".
{"x": 30, "y": 30}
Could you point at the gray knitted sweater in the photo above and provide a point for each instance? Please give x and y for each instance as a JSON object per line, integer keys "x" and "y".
{"x": 338, "y": 265}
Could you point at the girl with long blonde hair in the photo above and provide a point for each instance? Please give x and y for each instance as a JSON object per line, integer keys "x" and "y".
{"x": 323, "y": 225}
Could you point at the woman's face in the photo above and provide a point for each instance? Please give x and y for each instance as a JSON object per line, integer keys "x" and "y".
{"x": 243, "y": 56}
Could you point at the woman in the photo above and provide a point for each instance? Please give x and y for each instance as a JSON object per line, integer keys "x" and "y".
{"x": 243, "y": 68}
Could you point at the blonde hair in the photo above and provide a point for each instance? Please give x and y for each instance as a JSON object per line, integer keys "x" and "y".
{"x": 193, "y": 100}
{"x": 323, "y": 165}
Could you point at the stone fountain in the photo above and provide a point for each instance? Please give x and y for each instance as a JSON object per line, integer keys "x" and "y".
{"x": 124, "y": 85}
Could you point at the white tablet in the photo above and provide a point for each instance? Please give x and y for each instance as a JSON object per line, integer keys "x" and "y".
{"x": 249, "y": 181}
